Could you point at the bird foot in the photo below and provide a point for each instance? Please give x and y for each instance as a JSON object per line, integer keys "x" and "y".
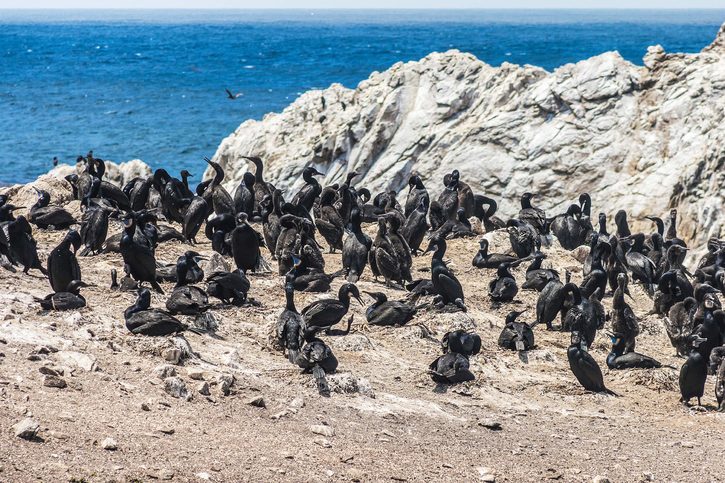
{"x": 698, "y": 409}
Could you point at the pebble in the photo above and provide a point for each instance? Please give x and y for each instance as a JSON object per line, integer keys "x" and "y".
{"x": 203, "y": 475}
{"x": 50, "y": 371}
{"x": 600, "y": 479}
{"x": 166, "y": 429}
{"x": 196, "y": 374}
{"x": 26, "y": 428}
{"x": 257, "y": 402}
{"x": 165, "y": 474}
{"x": 175, "y": 387}
{"x": 145, "y": 407}
{"x": 203, "y": 389}
{"x": 490, "y": 424}
{"x": 54, "y": 381}
{"x": 325, "y": 443}
{"x": 109, "y": 444}
{"x": 323, "y": 430}
{"x": 486, "y": 474}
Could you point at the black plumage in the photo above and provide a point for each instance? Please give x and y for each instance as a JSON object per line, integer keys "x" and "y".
{"x": 63, "y": 266}
{"x": 44, "y": 216}
{"x": 323, "y": 314}
{"x": 355, "y": 248}
{"x": 619, "y": 358}
{"x": 68, "y": 299}
{"x": 503, "y": 288}
{"x": 516, "y": 336}
{"x": 388, "y": 312}
{"x": 585, "y": 368}
{"x": 483, "y": 259}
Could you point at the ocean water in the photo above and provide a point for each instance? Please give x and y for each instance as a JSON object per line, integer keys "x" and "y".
{"x": 150, "y": 84}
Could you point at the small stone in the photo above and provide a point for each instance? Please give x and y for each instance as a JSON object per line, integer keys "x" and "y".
{"x": 323, "y": 430}
{"x": 257, "y": 402}
{"x": 164, "y": 370}
{"x": 165, "y": 474}
{"x": 648, "y": 476}
{"x": 600, "y": 479}
{"x": 490, "y": 424}
{"x": 173, "y": 355}
{"x": 203, "y": 389}
{"x": 166, "y": 430}
{"x": 145, "y": 407}
{"x": 486, "y": 474}
{"x": 203, "y": 475}
{"x": 196, "y": 374}
{"x": 297, "y": 403}
{"x": 48, "y": 371}
{"x": 322, "y": 442}
{"x": 225, "y": 382}
{"x": 54, "y": 381}
{"x": 26, "y": 429}
{"x": 175, "y": 387}
{"x": 84, "y": 361}
{"x": 688, "y": 444}
{"x": 109, "y": 444}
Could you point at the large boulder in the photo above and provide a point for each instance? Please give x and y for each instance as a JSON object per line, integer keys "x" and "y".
{"x": 645, "y": 139}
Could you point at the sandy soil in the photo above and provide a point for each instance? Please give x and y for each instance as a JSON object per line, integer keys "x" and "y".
{"x": 386, "y": 420}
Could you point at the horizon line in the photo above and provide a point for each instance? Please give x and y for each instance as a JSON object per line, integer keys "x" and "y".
{"x": 301, "y": 9}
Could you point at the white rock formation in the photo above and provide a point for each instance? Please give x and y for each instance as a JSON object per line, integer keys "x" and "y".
{"x": 641, "y": 138}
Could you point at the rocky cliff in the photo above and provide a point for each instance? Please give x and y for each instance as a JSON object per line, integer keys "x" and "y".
{"x": 642, "y": 138}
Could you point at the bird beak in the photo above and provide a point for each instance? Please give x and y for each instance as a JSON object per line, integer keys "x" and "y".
{"x": 359, "y": 299}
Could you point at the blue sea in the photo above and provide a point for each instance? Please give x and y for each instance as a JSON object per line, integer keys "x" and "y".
{"x": 150, "y": 84}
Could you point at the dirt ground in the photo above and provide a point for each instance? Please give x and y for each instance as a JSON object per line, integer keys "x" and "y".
{"x": 385, "y": 421}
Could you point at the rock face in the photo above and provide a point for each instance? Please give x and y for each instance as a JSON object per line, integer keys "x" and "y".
{"x": 641, "y": 138}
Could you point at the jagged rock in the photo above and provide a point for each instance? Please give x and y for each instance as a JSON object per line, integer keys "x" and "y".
{"x": 646, "y": 139}
{"x": 164, "y": 370}
{"x": 54, "y": 381}
{"x": 225, "y": 382}
{"x": 203, "y": 389}
{"x": 346, "y": 383}
{"x": 258, "y": 402}
{"x": 26, "y": 429}
{"x": 216, "y": 263}
{"x": 175, "y": 386}
{"x": 86, "y": 362}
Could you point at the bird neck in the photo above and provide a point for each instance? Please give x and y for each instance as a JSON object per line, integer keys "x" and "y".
{"x": 289, "y": 292}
